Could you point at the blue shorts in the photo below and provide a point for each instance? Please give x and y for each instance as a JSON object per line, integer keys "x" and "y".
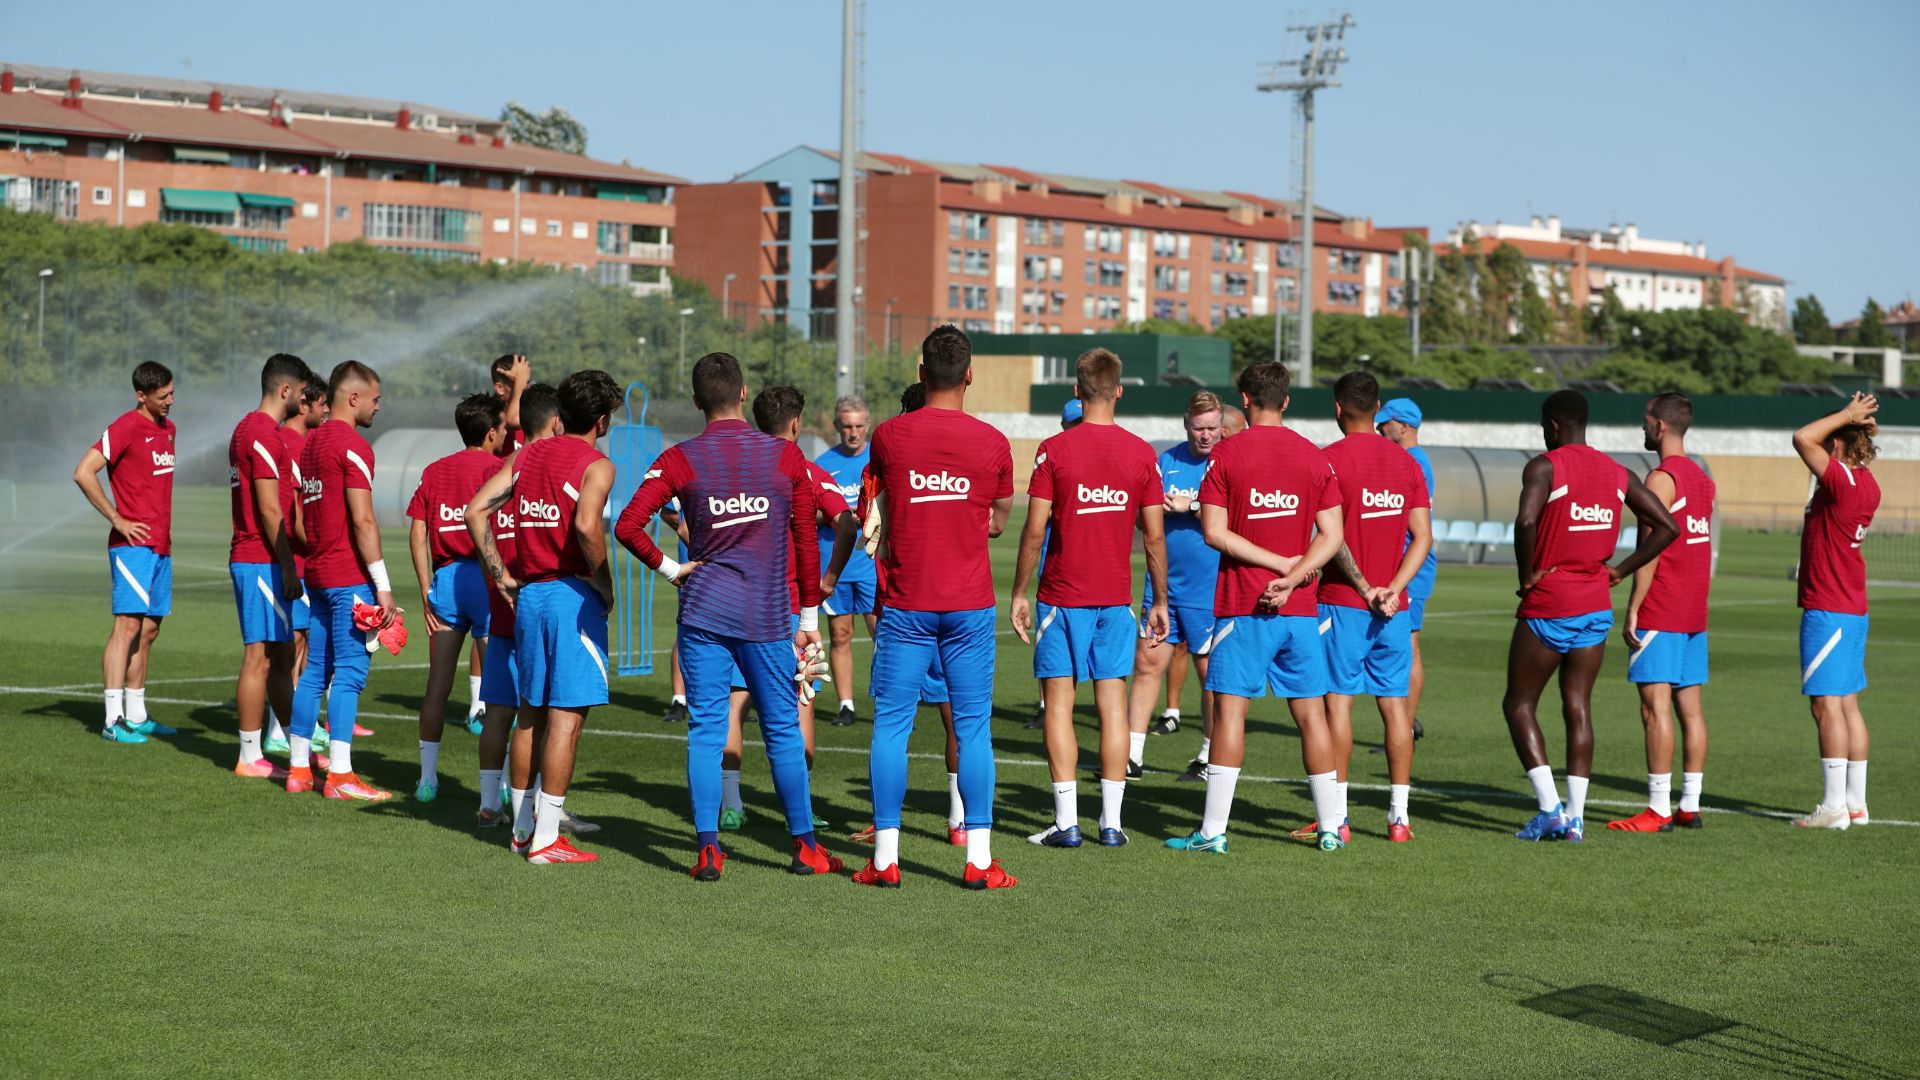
{"x": 738, "y": 681}
{"x": 561, "y": 630}
{"x": 500, "y": 673}
{"x": 1416, "y": 613}
{"x": 256, "y": 593}
{"x": 1366, "y": 654}
{"x": 1572, "y": 632}
{"x": 142, "y": 582}
{"x": 1082, "y": 643}
{"x": 1191, "y": 625}
{"x": 1254, "y": 652}
{"x": 849, "y": 598}
{"x": 1833, "y": 653}
{"x": 301, "y": 611}
{"x": 459, "y": 597}
{"x": 1669, "y": 656}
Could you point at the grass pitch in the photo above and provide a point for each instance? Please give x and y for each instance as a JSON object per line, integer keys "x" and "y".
{"x": 161, "y": 918}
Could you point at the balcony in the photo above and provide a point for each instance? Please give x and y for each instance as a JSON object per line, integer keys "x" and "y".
{"x": 651, "y": 288}
{"x": 654, "y": 252}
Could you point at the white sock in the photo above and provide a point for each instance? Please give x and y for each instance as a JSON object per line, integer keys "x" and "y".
{"x": 886, "y": 847}
{"x": 1856, "y": 785}
{"x": 490, "y": 788}
{"x": 521, "y": 799}
{"x": 1136, "y": 746}
{"x": 1340, "y": 786}
{"x": 116, "y": 706}
{"x": 546, "y": 819}
{"x": 680, "y": 699}
{"x": 730, "y": 790}
{"x": 1112, "y": 793}
{"x": 1397, "y": 803}
{"x": 1175, "y": 713}
{"x": 1833, "y": 772}
{"x": 1576, "y": 796}
{"x": 136, "y": 705}
{"x": 429, "y": 762}
{"x": 846, "y": 703}
{"x": 1219, "y": 802}
{"x": 1660, "y": 793}
{"x": 980, "y": 847}
{"x": 1544, "y": 791}
{"x": 1206, "y": 746}
{"x": 1690, "y": 783}
{"x": 473, "y": 694}
{"x": 341, "y": 758}
{"x": 956, "y": 808}
{"x": 1066, "y": 803}
{"x": 249, "y": 747}
{"x": 1325, "y": 789}
{"x": 299, "y": 752}
{"x": 276, "y": 731}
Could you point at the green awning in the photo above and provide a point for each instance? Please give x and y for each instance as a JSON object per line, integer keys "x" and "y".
{"x": 22, "y": 138}
{"x": 202, "y": 156}
{"x": 206, "y": 202}
{"x": 272, "y": 202}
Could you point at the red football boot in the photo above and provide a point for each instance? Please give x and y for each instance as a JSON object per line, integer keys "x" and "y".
{"x": 993, "y": 877}
{"x": 1688, "y": 819}
{"x": 884, "y": 879}
{"x": 1644, "y": 821}
{"x": 560, "y": 851}
{"x": 708, "y": 864}
{"x": 814, "y": 860}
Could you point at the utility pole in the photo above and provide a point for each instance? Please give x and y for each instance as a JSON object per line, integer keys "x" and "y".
{"x": 1313, "y": 70}
{"x": 1411, "y": 277}
{"x": 846, "y": 319}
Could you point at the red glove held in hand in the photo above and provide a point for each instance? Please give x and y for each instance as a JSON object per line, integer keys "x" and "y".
{"x": 366, "y": 617}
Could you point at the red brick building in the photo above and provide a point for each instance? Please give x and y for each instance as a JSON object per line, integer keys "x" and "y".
{"x": 290, "y": 171}
{"x": 998, "y": 248}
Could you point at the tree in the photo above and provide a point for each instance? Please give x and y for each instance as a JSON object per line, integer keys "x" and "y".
{"x": 555, "y": 129}
{"x": 1872, "y": 331}
{"x": 1639, "y": 374}
{"x": 1605, "y": 323}
{"x": 1810, "y": 323}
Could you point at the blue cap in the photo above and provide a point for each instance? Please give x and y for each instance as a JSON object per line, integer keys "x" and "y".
{"x": 1401, "y": 409}
{"x": 1073, "y": 411}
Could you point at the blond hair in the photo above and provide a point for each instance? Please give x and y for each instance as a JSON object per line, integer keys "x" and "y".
{"x": 1203, "y": 402}
{"x": 1098, "y": 373}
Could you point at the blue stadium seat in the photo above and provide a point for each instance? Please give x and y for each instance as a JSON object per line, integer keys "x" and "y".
{"x": 1459, "y": 532}
{"x": 1508, "y": 538}
{"x": 1489, "y": 532}
{"x": 1629, "y": 537}
{"x": 1439, "y": 527}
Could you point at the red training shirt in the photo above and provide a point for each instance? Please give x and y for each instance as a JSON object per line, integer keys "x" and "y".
{"x": 1381, "y": 486}
{"x": 1098, "y": 477}
{"x": 139, "y": 457}
{"x": 446, "y": 487}
{"x": 335, "y": 460}
{"x": 295, "y": 442}
{"x": 1576, "y": 535}
{"x": 941, "y": 471}
{"x": 1272, "y": 482}
{"x": 546, "y": 487}
{"x": 256, "y": 453}
{"x": 1676, "y": 601}
{"x": 831, "y": 504}
{"x": 1833, "y": 572}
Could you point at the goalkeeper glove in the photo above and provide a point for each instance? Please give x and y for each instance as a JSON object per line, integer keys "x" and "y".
{"x": 812, "y": 665}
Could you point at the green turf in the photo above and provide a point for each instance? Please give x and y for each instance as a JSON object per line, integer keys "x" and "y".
{"x": 161, "y": 918}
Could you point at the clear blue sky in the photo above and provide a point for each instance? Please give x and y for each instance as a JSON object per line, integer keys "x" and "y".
{"x": 1779, "y": 132}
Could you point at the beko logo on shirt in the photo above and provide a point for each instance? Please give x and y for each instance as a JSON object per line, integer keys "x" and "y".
{"x": 1101, "y": 500}
{"x": 233, "y": 476}
{"x": 849, "y": 492}
{"x": 538, "y": 514}
{"x": 944, "y": 485}
{"x": 310, "y": 489}
{"x": 163, "y": 459}
{"x": 1272, "y": 504}
{"x": 452, "y": 513}
{"x": 743, "y": 507}
{"x": 1381, "y": 503}
{"x": 1594, "y": 517}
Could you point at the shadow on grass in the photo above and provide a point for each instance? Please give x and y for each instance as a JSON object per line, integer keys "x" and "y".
{"x": 1637, "y": 786}
{"x": 1686, "y": 1030}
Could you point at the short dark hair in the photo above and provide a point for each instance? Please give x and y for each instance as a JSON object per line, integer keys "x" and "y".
{"x": 1097, "y": 375}
{"x": 282, "y": 368}
{"x": 1358, "y": 392}
{"x": 539, "y": 404}
{"x": 476, "y": 415}
{"x": 501, "y": 365}
{"x": 585, "y": 397}
{"x": 716, "y": 381}
{"x": 1265, "y": 383}
{"x": 947, "y": 353}
{"x": 1674, "y": 410}
{"x": 315, "y": 391}
{"x": 775, "y": 406}
{"x": 150, "y": 375}
{"x": 346, "y": 371}
{"x": 1568, "y": 408}
{"x": 913, "y": 397}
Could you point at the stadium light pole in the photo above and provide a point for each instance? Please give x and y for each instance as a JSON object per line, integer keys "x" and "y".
{"x": 1314, "y": 70}
{"x": 847, "y": 248}
{"x": 40, "y": 327}
{"x": 684, "y": 312}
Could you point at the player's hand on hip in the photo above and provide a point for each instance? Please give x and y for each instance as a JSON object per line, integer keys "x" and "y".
{"x": 1527, "y": 586}
{"x": 1614, "y": 576}
{"x": 686, "y": 571}
{"x": 828, "y": 583}
{"x": 135, "y": 531}
{"x": 434, "y": 625}
{"x": 1021, "y": 615}
{"x": 1157, "y": 624}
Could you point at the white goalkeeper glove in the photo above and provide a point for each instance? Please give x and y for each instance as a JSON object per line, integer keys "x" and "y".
{"x": 871, "y": 529}
{"x": 812, "y": 665}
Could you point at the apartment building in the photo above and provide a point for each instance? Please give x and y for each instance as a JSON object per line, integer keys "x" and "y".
{"x": 281, "y": 170}
{"x": 1646, "y": 274}
{"x": 1008, "y": 250}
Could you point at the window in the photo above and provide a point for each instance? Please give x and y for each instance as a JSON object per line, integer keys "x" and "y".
{"x": 1396, "y": 296}
{"x": 546, "y": 187}
{"x": 309, "y": 210}
{"x": 1055, "y": 267}
{"x": 33, "y": 195}
{"x": 553, "y": 228}
{"x": 1106, "y": 307}
{"x": 257, "y": 243}
{"x": 1229, "y": 249}
{"x": 1343, "y": 262}
{"x": 501, "y": 225}
{"x": 1214, "y": 282}
{"x": 613, "y": 273}
{"x": 1043, "y": 233}
{"x": 1236, "y": 311}
{"x": 1213, "y": 317}
{"x": 1112, "y": 272}
{"x": 209, "y": 218}
{"x": 136, "y": 197}
{"x": 1286, "y": 288}
{"x": 579, "y": 230}
{"x": 1033, "y": 302}
{"x": 1165, "y": 244}
{"x": 342, "y": 212}
{"x": 1287, "y": 255}
{"x": 1034, "y": 268}
{"x": 1237, "y": 284}
{"x": 1343, "y": 292}
{"x": 972, "y": 297}
{"x": 266, "y": 219}
{"x": 953, "y": 260}
{"x": 437, "y": 224}
{"x": 979, "y": 261}
{"x": 1163, "y": 309}
{"x": 610, "y": 239}
{"x": 103, "y": 196}
{"x": 1057, "y": 303}
{"x": 529, "y": 226}
{"x": 826, "y": 193}
{"x": 436, "y": 254}
{"x": 966, "y": 226}
{"x": 1103, "y": 238}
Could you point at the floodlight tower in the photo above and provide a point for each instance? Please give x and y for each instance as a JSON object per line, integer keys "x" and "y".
{"x": 850, "y": 217}
{"x": 1315, "y": 69}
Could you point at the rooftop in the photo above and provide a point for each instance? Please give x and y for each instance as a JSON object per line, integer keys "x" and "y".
{"x": 1657, "y": 261}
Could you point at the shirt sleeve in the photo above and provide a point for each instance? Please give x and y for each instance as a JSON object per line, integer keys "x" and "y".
{"x": 417, "y": 506}
{"x": 832, "y": 504}
{"x": 658, "y": 488}
{"x": 1040, "y": 485}
{"x": 1213, "y": 481}
{"x": 359, "y": 466}
{"x": 1003, "y": 483}
{"x": 112, "y": 443}
{"x": 1417, "y": 484}
{"x": 1154, "y": 491}
{"x": 806, "y": 546}
{"x": 1330, "y": 492}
